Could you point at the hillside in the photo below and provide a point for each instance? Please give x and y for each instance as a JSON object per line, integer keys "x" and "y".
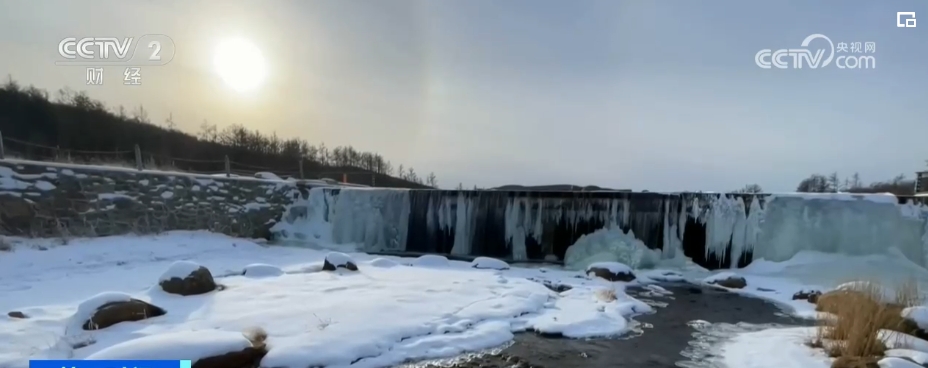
{"x": 75, "y": 128}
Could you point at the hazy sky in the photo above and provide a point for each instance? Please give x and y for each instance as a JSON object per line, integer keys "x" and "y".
{"x": 658, "y": 95}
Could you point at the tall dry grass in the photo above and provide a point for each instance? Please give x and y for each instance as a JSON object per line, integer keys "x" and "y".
{"x": 860, "y": 313}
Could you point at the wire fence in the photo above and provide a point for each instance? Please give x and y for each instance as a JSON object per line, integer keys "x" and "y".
{"x": 145, "y": 160}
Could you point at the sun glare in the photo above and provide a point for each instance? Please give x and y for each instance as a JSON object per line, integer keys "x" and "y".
{"x": 240, "y": 64}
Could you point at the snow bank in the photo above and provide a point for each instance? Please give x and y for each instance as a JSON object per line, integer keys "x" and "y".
{"x": 773, "y": 348}
{"x": 610, "y": 245}
{"x": 181, "y": 345}
{"x": 312, "y": 319}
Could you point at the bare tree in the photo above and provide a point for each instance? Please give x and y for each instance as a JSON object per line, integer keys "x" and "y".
{"x": 816, "y": 183}
{"x": 751, "y": 189}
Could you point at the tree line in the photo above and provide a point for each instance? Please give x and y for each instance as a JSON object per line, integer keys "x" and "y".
{"x": 834, "y": 183}
{"x": 71, "y": 120}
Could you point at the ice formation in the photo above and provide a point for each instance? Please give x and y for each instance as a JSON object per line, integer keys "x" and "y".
{"x": 714, "y": 230}
{"x": 610, "y": 245}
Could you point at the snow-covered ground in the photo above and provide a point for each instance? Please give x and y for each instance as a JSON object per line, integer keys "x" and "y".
{"x": 391, "y": 311}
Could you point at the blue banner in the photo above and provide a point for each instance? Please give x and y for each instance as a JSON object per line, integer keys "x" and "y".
{"x": 109, "y": 364}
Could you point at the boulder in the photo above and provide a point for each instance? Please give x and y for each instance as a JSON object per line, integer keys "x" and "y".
{"x": 249, "y": 357}
{"x": 17, "y": 314}
{"x": 611, "y": 271}
{"x": 261, "y": 270}
{"x": 811, "y": 295}
{"x": 125, "y": 311}
{"x": 728, "y": 280}
{"x": 336, "y": 260}
{"x": 487, "y": 263}
{"x": 198, "y": 280}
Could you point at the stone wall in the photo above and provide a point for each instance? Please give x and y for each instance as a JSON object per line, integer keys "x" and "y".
{"x": 55, "y": 200}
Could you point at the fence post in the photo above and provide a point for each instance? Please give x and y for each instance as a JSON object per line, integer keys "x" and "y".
{"x": 373, "y": 179}
{"x": 138, "y": 157}
{"x": 1, "y": 145}
{"x": 301, "y": 168}
{"x": 228, "y": 167}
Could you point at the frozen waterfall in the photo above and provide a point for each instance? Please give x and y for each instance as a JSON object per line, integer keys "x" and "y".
{"x": 714, "y": 230}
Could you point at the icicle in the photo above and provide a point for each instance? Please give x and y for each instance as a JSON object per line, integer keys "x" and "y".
{"x": 463, "y": 226}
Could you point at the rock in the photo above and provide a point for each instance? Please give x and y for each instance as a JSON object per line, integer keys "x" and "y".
{"x": 730, "y": 281}
{"x": 611, "y": 271}
{"x": 261, "y": 270}
{"x": 115, "y": 312}
{"x": 248, "y": 358}
{"x": 430, "y": 260}
{"x": 199, "y": 281}
{"x": 17, "y": 314}
{"x": 335, "y": 260}
{"x": 487, "y": 263}
{"x": 811, "y": 295}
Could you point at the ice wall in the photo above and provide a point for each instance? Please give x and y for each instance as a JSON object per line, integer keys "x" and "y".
{"x": 841, "y": 224}
{"x": 375, "y": 219}
{"x": 714, "y": 230}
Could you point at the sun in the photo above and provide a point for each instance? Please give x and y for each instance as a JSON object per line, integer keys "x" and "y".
{"x": 240, "y": 64}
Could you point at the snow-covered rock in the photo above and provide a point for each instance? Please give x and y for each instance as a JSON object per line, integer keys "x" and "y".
{"x": 489, "y": 263}
{"x": 109, "y": 308}
{"x": 611, "y": 271}
{"x": 917, "y": 314}
{"x": 729, "y": 280}
{"x": 334, "y": 260}
{"x": 184, "y": 345}
{"x": 383, "y": 262}
{"x": 187, "y": 278}
{"x": 430, "y": 260}
{"x": 179, "y": 269}
{"x": 262, "y": 270}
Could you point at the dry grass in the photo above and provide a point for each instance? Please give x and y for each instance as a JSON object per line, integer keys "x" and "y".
{"x": 860, "y": 313}
{"x": 606, "y": 295}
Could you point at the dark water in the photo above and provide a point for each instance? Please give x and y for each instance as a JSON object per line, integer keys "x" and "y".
{"x": 667, "y": 338}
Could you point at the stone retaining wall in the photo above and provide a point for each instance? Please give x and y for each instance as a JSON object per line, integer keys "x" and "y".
{"x": 43, "y": 199}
